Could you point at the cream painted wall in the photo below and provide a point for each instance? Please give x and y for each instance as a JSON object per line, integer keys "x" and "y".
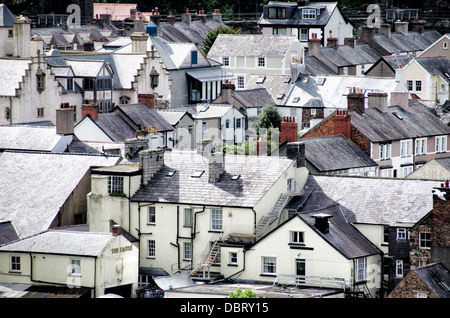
{"x": 374, "y": 233}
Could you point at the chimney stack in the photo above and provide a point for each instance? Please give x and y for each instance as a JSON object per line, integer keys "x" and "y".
{"x": 89, "y": 109}
{"x": 296, "y": 151}
{"x": 139, "y": 42}
{"x": 321, "y": 222}
{"x": 313, "y": 45}
{"x": 355, "y": 100}
{"x": 342, "y": 124}
{"x": 216, "y": 165}
{"x": 400, "y": 98}
{"x": 377, "y": 100}
{"x": 350, "y": 41}
{"x": 217, "y": 16}
{"x": 366, "y": 34}
{"x": 64, "y": 120}
{"x": 401, "y": 27}
{"x": 385, "y": 29}
{"x": 150, "y": 162}
{"x": 117, "y": 229}
{"x": 288, "y": 129}
{"x": 186, "y": 17}
{"x": 156, "y": 17}
{"x": 202, "y": 15}
{"x": 332, "y": 41}
{"x": 171, "y": 18}
{"x": 22, "y": 34}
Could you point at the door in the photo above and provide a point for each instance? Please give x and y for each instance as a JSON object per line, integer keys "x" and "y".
{"x": 300, "y": 271}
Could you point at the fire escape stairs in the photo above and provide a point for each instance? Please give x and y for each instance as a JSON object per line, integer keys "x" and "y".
{"x": 210, "y": 257}
{"x": 272, "y": 214}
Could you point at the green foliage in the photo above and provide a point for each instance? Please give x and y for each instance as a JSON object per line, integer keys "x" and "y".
{"x": 212, "y": 35}
{"x": 248, "y": 293}
{"x": 268, "y": 118}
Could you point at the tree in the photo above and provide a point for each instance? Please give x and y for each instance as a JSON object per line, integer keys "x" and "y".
{"x": 212, "y": 35}
{"x": 268, "y": 118}
{"x": 248, "y": 293}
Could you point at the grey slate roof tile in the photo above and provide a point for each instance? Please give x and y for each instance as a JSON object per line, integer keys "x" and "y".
{"x": 257, "y": 176}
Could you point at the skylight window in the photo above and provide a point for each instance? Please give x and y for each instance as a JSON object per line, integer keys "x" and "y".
{"x": 235, "y": 177}
{"x": 320, "y": 81}
{"x": 305, "y": 80}
{"x": 261, "y": 79}
{"x": 170, "y": 173}
{"x": 204, "y": 109}
{"x": 444, "y": 286}
{"x": 287, "y": 80}
{"x": 197, "y": 173}
{"x": 280, "y": 96}
{"x": 296, "y": 99}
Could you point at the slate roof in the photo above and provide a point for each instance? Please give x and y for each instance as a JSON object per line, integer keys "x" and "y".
{"x": 6, "y": 17}
{"x": 342, "y": 236}
{"x": 173, "y": 116}
{"x": 334, "y": 90}
{"x": 34, "y": 186}
{"x": 13, "y": 72}
{"x": 346, "y": 55}
{"x": 436, "y": 66}
{"x": 24, "y": 137}
{"x": 410, "y": 42}
{"x": 205, "y": 111}
{"x": 433, "y": 275}
{"x": 251, "y": 45}
{"x": 62, "y": 242}
{"x": 114, "y": 125}
{"x": 382, "y": 201}
{"x": 296, "y": 18}
{"x": 8, "y": 232}
{"x": 257, "y": 176}
{"x": 145, "y": 116}
{"x": 335, "y": 153}
{"x": 315, "y": 67}
{"x": 275, "y": 85}
{"x": 257, "y": 97}
{"x": 398, "y": 123}
{"x": 445, "y": 162}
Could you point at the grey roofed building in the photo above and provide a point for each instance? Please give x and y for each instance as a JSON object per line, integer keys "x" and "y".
{"x": 6, "y": 17}
{"x": 436, "y": 66}
{"x": 142, "y": 115}
{"x": 347, "y": 55}
{"x": 36, "y": 186}
{"x": 114, "y": 125}
{"x": 327, "y": 154}
{"x": 393, "y": 62}
{"x": 257, "y": 176}
{"x": 8, "y": 232}
{"x": 62, "y": 242}
{"x": 33, "y": 138}
{"x": 341, "y": 234}
{"x": 378, "y": 201}
{"x": 397, "y": 123}
{"x": 173, "y": 117}
{"x": 433, "y": 275}
{"x": 251, "y": 45}
{"x": 315, "y": 67}
{"x": 257, "y": 97}
{"x": 276, "y": 85}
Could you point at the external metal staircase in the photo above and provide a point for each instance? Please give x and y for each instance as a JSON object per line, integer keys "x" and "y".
{"x": 207, "y": 257}
{"x": 272, "y": 214}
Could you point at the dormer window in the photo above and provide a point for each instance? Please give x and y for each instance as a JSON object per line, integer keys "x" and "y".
{"x": 309, "y": 14}
{"x": 277, "y": 13}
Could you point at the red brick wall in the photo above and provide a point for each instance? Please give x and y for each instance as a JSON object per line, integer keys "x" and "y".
{"x": 91, "y": 110}
{"x": 440, "y": 235}
{"x": 410, "y": 286}
{"x": 149, "y": 99}
{"x": 324, "y": 128}
{"x": 288, "y": 130}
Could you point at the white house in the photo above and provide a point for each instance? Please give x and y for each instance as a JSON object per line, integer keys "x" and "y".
{"x": 93, "y": 264}
{"x": 304, "y": 18}
{"x": 245, "y": 54}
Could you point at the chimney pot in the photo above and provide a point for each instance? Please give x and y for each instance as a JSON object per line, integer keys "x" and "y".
{"x": 116, "y": 229}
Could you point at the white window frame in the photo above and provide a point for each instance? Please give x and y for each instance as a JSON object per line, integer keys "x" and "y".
{"x": 269, "y": 265}
{"x": 216, "y": 219}
{"x": 15, "y": 265}
{"x": 75, "y": 267}
{"x": 440, "y": 144}
{"x": 406, "y": 170}
{"x": 115, "y": 184}
{"x": 309, "y": 14}
{"x": 151, "y": 249}
{"x": 421, "y": 295}
{"x": 399, "y": 270}
{"x": 204, "y": 127}
{"x": 151, "y": 219}
{"x": 187, "y": 217}
{"x": 297, "y": 237}
{"x": 226, "y": 60}
{"x": 385, "y": 151}
{"x": 361, "y": 269}
{"x": 421, "y": 146}
{"x": 402, "y": 233}
{"x": 405, "y": 148}
{"x": 241, "y": 81}
{"x": 233, "y": 258}
{"x": 303, "y": 35}
{"x": 424, "y": 240}
{"x": 261, "y": 62}
{"x": 187, "y": 251}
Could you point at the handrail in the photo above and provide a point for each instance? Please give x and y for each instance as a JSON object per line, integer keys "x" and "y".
{"x": 313, "y": 281}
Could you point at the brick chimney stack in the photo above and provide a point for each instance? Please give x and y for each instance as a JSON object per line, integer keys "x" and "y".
{"x": 355, "y": 100}
{"x": 440, "y": 225}
{"x": 342, "y": 124}
{"x": 332, "y": 41}
{"x": 89, "y": 109}
{"x": 288, "y": 129}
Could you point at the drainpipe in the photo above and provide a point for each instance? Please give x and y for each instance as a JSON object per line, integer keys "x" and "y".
{"x": 10, "y": 110}
{"x": 194, "y": 232}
